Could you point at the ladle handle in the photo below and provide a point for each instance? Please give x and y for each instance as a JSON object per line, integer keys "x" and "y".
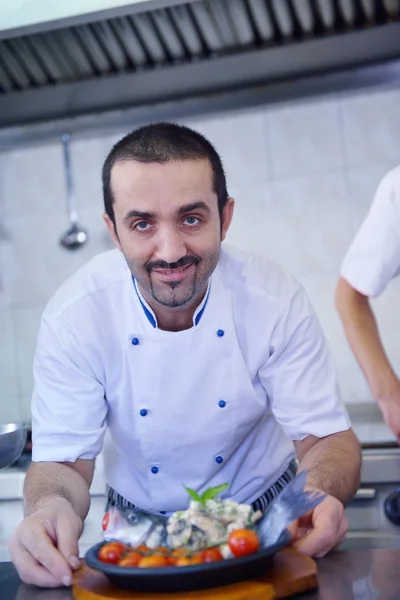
{"x": 71, "y": 198}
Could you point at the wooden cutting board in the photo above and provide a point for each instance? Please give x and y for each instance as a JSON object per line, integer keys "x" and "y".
{"x": 292, "y": 573}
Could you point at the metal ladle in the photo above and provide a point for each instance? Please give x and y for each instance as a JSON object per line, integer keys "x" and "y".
{"x": 12, "y": 442}
{"x": 75, "y": 236}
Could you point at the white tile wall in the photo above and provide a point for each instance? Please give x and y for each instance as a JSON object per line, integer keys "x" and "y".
{"x": 303, "y": 175}
{"x": 30, "y": 178}
{"x": 33, "y": 262}
{"x": 371, "y": 126}
{"x": 4, "y": 300}
{"x": 318, "y": 235}
{"x": 241, "y": 138}
{"x": 8, "y": 370}
{"x": 26, "y": 320}
{"x": 305, "y": 137}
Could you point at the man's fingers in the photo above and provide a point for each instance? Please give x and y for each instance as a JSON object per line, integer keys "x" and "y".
{"x": 30, "y": 571}
{"x": 313, "y": 543}
{"x": 67, "y": 541}
{"x": 320, "y": 540}
{"x": 341, "y": 536}
{"x": 36, "y": 541}
{"x": 293, "y": 530}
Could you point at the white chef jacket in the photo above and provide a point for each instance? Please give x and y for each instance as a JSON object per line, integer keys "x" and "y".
{"x": 373, "y": 258}
{"x": 217, "y": 403}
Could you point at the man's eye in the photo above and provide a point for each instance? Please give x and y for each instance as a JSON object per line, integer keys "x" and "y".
{"x": 142, "y": 225}
{"x": 192, "y": 220}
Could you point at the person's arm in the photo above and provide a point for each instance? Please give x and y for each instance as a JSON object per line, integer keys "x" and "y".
{"x": 363, "y": 335}
{"x": 49, "y": 481}
{"x": 68, "y": 425}
{"x": 333, "y": 463}
{"x": 300, "y": 380}
{"x": 44, "y": 547}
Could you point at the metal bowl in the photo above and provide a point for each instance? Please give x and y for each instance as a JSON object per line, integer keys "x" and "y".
{"x": 12, "y": 442}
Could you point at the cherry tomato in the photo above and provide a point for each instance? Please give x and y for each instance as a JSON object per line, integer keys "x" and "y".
{"x": 130, "y": 560}
{"x": 185, "y": 561}
{"x": 143, "y": 548}
{"x": 154, "y": 560}
{"x": 178, "y": 552}
{"x": 174, "y": 555}
{"x": 111, "y": 552}
{"x": 161, "y": 550}
{"x": 196, "y": 559}
{"x": 182, "y": 561}
{"x": 104, "y": 523}
{"x": 243, "y": 541}
{"x": 211, "y": 555}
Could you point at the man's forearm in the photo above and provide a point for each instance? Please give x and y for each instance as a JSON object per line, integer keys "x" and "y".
{"x": 362, "y": 333}
{"x": 49, "y": 481}
{"x": 334, "y": 464}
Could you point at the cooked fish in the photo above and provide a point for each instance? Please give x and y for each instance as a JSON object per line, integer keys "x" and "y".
{"x": 136, "y": 527}
{"x": 209, "y": 523}
{"x": 292, "y": 503}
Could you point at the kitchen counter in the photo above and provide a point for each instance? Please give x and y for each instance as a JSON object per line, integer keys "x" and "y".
{"x": 369, "y": 426}
{"x": 349, "y": 575}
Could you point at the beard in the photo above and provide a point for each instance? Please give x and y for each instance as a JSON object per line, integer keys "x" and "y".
{"x": 175, "y": 294}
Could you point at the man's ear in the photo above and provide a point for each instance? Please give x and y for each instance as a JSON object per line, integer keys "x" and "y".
{"x": 227, "y": 214}
{"x": 112, "y": 230}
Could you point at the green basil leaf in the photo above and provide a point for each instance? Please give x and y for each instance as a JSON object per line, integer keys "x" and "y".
{"x": 193, "y": 494}
{"x": 212, "y": 492}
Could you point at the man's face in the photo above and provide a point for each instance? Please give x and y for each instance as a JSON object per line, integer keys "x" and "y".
{"x": 168, "y": 227}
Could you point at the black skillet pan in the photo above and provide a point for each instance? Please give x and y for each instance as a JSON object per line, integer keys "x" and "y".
{"x": 192, "y": 577}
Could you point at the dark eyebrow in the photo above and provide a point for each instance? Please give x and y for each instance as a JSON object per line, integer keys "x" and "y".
{"x": 194, "y": 206}
{"x": 148, "y": 216}
{"x": 138, "y": 214}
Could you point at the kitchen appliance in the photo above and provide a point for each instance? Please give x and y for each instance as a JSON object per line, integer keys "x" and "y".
{"x": 12, "y": 442}
{"x": 374, "y": 514}
{"x": 75, "y": 59}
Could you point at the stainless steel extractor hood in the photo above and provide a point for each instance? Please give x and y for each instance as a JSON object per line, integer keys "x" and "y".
{"x": 140, "y": 53}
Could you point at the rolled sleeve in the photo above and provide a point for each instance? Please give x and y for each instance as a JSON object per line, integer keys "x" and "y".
{"x": 373, "y": 258}
{"x": 68, "y": 404}
{"x": 300, "y": 377}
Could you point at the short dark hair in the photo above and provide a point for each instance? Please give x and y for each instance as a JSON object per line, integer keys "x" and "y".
{"x": 162, "y": 142}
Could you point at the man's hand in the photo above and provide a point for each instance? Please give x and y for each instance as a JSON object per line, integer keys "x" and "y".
{"x": 321, "y": 530}
{"x": 44, "y": 548}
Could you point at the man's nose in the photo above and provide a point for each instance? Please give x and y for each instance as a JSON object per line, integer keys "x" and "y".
{"x": 171, "y": 246}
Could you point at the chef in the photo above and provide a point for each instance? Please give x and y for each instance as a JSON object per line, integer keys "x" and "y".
{"x": 187, "y": 364}
{"x": 371, "y": 262}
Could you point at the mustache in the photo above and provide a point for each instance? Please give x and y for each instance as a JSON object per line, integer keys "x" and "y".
{"x": 182, "y": 262}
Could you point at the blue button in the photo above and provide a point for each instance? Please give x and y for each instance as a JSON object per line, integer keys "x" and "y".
{"x": 143, "y": 412}
{"x": 135, "y": 341}
{"x": 220, "y": 333}
{"x": 154, "y": 470}
{"x": 222, "y": 403}
{"x": 219, "y": 460}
